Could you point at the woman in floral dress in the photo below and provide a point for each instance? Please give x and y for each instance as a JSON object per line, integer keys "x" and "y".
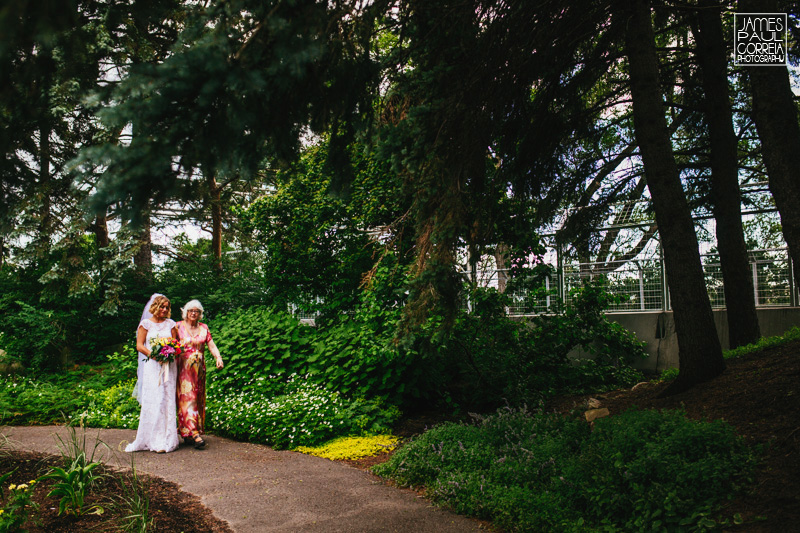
{"x": 191, "y": 389}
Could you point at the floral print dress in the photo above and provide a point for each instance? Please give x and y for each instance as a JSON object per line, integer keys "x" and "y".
{"x": 191, "y": 389}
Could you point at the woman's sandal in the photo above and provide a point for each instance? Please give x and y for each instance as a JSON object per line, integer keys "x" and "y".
{"x": 199, "y": 444}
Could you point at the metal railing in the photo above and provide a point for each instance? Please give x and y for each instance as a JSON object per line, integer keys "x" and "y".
{"x": 640, "y": 284}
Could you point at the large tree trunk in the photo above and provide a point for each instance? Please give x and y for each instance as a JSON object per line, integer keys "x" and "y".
{"x": 739, "y": 299}
{"x": 699, "y": 351}
{"x": 775, "y": 116}
{"x": 143, "y": 258}
{"x": 216, "y": 222}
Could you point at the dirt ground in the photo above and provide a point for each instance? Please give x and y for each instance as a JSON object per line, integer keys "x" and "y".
{"x": 759, "y": 394}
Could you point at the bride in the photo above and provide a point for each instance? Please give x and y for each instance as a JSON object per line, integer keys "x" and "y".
{"x": 155, "y": 388}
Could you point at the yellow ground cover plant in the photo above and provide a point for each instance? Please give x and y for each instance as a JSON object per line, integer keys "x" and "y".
{"x": 352, "y": 447}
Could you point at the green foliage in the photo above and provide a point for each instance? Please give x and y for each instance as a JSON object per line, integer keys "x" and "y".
{"x": 676, "y": 471}
{"x": 25, "y": 400}
{"x": 668, "y": 374}
{"x": 358, "y": 359}
{"x": 304, "y": 414}
{"x": 315, "y": 243}
{"x": 135, "y": 502}
{"x": 47, "y": 350}
{"x": 258, "y": 344}
{"x": 641, "y": 470}
{"x": 356, "y": 356}
{"x": 77, "y": 476}
{"x": 492, "y": 358}
{"x": 765, "y": 342}
{"x": 18, "y": 505}
{"x": 68, "y": 327}
{"x": 192, "y": 273}
{"x": 72, "y": 485}
{"x": 114, "y": 407}
{"x": 45, "y": 398}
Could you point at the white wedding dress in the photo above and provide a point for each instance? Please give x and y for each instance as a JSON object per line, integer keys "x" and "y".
{"x": 158, "y": 428}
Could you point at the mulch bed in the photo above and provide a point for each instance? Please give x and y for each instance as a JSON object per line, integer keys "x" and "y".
{"x": 172, "y": 509}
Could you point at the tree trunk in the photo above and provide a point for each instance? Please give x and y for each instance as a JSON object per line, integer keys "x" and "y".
{"x": 143, "y": 258}
{"x": 501, "y": 261}
{"x": 216, "y": 223}
{"x": 100, "y": 228}
{"x": 45, "y": 189}
{"x": 699, "y": 351}
{"x": 775, "y": 116}
{"x": 738, "y": 281}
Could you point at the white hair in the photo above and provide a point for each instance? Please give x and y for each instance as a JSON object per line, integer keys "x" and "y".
{"x": 192, "y": 304}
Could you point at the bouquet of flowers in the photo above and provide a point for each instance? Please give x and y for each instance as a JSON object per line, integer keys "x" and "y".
{"x": 165, "y": 349}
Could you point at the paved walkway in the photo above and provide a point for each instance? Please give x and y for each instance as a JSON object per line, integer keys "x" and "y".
{"x": 257, "y": 489}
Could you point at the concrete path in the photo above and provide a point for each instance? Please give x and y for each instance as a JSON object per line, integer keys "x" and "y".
{"x": 257, "y": 489}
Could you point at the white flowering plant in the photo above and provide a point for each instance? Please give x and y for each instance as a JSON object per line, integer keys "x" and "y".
{"x": 306, "y": 414}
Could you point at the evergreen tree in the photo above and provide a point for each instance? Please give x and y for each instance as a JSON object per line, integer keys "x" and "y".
{"x": 699, "y": 352}
{"x": 775, "y": 116}
{"x": 713, "y": 58}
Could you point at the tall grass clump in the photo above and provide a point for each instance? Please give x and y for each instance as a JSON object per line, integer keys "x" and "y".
{"x": 134, "y": 502}
{"x": 640, "y": 470}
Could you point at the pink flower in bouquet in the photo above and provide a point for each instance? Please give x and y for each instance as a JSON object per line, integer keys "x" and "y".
{"x": 165, "y": 349}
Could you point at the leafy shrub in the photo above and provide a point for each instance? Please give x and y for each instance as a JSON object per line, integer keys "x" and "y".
{"x": 259, "y": 343}
{"x": 674, "y": 472}
{"x": 638, "y": 470}
{"x": 305, "y": 414}
{"x": 668, "y": 374}
{"x": 45, "y": 398}
{"x": 25, "y": 400}
{"x": 114, "y": 407}
{"x": 60, "y": 302}
{"x": 358, "y": 357}
{"x": 355, "y": 356}
{"x": 494, "y": 359}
